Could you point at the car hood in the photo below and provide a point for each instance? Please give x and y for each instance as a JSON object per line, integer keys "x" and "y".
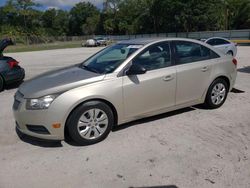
{"x": 58, "y": 81}
{"x": 4, "y": 43}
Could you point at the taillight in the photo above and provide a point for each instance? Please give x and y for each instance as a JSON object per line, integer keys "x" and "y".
{"x": 13, "y": 63}
{"x": 235, "y": 62}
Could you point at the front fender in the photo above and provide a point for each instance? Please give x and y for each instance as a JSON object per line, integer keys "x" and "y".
{"x": 108, "y": 90}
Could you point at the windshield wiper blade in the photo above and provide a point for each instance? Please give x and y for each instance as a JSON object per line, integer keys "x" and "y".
{"x": 90, "y": 69}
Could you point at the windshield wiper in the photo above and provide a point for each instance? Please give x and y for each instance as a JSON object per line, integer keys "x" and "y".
{"x": 90, "y": 69}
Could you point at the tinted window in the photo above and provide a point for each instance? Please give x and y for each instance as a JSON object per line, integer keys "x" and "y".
{"x": 188, "y": 52}
{"x": 107, "y": 60}
{"x": 213, "y": 55}
{"x": 154, "y": 57}
{"x": 211, "y": 42}
{"x": 214, "y": 42}
{"x": 221, "y": 42}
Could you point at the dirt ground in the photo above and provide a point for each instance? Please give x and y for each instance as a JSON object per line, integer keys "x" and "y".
{"x": 188, "y": 148}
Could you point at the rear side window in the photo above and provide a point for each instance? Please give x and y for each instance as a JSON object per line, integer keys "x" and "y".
{"x": 221, "y": 42}
{"x": 188, "y": 52}
{"x": 214, "y": 42}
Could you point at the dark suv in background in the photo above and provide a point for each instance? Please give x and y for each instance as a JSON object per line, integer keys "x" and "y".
{"x": 10, "y": 71}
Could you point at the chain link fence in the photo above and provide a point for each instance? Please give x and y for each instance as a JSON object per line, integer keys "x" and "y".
{"x": 231, "y": 34}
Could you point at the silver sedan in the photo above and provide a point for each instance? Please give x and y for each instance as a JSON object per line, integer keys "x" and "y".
{"x": 126, "y": 81}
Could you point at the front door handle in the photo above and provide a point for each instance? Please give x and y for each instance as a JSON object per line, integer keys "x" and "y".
{"x": 204, "y": 69}
{"x": 168, "y": 78}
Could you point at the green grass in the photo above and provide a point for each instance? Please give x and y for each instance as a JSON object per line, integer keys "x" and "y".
{"x": 39, "y": 47}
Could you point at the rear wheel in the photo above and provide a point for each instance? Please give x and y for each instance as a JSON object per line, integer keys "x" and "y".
{"x": 217, "y": 93}
{"x": 90, "y": 123}
{"x": 1, "y": 83}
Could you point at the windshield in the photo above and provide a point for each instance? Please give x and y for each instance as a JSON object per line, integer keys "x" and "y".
{"x": 107, "y": 60}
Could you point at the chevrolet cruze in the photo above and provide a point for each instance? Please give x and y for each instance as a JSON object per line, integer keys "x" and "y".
{"x": 123, "y": 82}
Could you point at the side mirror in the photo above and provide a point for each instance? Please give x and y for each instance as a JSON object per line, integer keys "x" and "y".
{"x": 136, "y": 69}
{"x": 123, "y": 51}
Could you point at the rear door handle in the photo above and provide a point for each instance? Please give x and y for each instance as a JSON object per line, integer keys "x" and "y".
{"x": 168, "y": 78}
{"x": 204, "y": 69}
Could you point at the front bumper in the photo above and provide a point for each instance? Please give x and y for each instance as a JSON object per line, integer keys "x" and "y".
{"x": 30, "y": 122}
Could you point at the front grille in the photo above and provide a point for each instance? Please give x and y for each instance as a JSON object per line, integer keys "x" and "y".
{"x": 39, "y": 129}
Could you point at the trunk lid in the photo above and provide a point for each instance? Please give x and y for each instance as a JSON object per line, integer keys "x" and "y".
{"x": 4, "y": 43}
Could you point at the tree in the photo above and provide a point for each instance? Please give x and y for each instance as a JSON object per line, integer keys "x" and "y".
{"x": 78, "y": 17}
{"x": 134, "y": 17}
{"x": 238, "y": 14}
{"x": 56, "y": 22}
{"x": 91, "y": 24}
{"x": 109, "y": 26}
{"x": 26, "y": 11}
{"x": 21, "y": 19}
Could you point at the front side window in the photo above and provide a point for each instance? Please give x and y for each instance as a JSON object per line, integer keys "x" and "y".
{"x": 107, "y": 60}
{"x": 188, "y": 52}
{"x": 211, "y": 42}
{"x": 154, "y": 57}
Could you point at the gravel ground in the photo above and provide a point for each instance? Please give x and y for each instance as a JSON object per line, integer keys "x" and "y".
{"x": 192, "y": 147}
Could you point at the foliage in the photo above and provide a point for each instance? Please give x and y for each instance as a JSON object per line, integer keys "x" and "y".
{"x": 78, "y": 17}
{"x": 23, "y": 18}
{"x": 91, "y": 25}
{"x": 56, "y": 22}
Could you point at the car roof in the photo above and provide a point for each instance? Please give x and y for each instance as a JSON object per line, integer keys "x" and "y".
{"x": 145, "y": 41}
{"x": 142, "y": 41}
{"x": 218, "y": 38}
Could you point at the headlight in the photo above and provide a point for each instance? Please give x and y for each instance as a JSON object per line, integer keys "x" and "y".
{"x": 40, "y": 103}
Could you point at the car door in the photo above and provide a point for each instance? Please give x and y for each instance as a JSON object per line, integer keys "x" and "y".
{"x": 154, "y": 90}
{"x": 194, "y": 66}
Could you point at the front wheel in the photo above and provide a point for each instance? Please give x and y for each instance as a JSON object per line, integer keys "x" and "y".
{"x": 90, "y": 123}
{"x": 217, "y": 94}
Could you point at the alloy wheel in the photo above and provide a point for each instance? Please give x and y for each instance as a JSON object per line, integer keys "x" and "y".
{"x": 92, "y": 124}
{"x": 218, "y": 93}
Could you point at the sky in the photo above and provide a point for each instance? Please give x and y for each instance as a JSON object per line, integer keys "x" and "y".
{"x": 62, "y": 4}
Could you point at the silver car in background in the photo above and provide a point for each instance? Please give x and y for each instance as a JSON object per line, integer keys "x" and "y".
{"x": 224, "y": 45}
{"x": 90, "y": 43}
{"x": 126, "y": 81}
{"x": 100, "y": 41}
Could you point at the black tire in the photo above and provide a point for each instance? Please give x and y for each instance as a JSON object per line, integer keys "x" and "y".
{"x": 73, "y": 120}
{"x": 1, "y": 83}
{"x": 208, "y": 101}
